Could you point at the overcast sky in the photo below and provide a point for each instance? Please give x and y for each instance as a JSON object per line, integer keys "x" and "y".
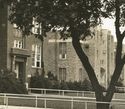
{"x": 109, "y": 24}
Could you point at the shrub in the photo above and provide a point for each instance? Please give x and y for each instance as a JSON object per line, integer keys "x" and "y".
{"x": 10, "y": 84}
{"x": 86, "y": 85}
{"x": 39, "y": 81}
{"x": 63, "y": 85}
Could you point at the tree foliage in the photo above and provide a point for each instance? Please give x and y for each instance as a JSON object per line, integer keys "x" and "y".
{"x": 68, "y": 14}
{"x": 74, "y": 17}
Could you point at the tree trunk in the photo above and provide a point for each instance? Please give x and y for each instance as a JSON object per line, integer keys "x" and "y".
{"x": 85, "y": 61}
{"x": 92, "y": 76}
{"x": 103, "y": 106}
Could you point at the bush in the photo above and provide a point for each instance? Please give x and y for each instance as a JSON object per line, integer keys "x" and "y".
{"x": 63, "y": 85}
{"x": 10, "y": 84}
{"x": 39, "y": 81}
{"x": 86, "y": 85}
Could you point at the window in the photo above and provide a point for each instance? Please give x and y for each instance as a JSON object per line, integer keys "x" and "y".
{"x": 18, "y": 44}
{"x": 62, "y": 50}
{"x": 80, "y": 74}
{"x": 62, "y": 74}
{"x": 36, "y": 56}
{"x": 36, "y": 29}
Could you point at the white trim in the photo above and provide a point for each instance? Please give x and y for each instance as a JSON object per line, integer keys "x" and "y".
{"x": 61, "y": 56}
{"x": 18, "y": 44}
{"x": 36, "y": 53}
{"x": 66, "y": 40}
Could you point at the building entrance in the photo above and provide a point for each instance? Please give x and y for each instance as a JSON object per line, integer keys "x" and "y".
{"x": 20, "y": 70}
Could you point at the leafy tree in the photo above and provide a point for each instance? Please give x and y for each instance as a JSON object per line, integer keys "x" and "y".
{"x": 74, "y": 18}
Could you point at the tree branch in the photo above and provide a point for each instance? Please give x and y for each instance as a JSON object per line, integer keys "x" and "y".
{"x": 123, "y": 34}
{"x": 123, "y": 59}
{"x": 88, "y": 67}
{"x": 117, "y": 21}
{"x": 118, "y": 59}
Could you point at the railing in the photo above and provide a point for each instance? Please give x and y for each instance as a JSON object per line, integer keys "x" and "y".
{"x": 71, "y": 93}
{"x": 120, "y": 89}
{"x": 55, "y": 102}
{"x": 62, "y": 92}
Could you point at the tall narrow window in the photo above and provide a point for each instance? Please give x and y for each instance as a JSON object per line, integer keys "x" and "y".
{"x": 36, "y": 29}
{"x": 62, "y": 50}
{"x": 36, "y": 56}
{"x": 62, "y": 74}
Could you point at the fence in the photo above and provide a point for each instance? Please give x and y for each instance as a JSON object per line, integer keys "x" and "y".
{"x": 71, "y": 93}
{"x": 62, "y": 92}
{"x": 60, "y": 102}
{"x": 120, "y": 89}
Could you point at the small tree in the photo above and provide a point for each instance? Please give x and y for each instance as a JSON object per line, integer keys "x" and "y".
{"x": 74, "y": 17}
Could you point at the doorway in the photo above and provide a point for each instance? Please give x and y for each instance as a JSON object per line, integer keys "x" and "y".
{"x": 20, "y": 71}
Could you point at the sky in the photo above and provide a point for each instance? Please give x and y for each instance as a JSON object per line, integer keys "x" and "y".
{"x": 109, "y": 24}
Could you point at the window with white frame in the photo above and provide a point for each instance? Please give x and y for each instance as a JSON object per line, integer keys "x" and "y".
{"x": 62, "y": 50}
{"x": 36, "y": 56}
{"x": 36, "y": 29}
{"x": 18, "y": 44}
{"x": 62, "y": 74}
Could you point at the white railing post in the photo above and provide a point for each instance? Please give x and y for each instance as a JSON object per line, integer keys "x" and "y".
{"x": 114, "y": 95}
{"x": 59, "y": 92}
{"x": 7, "y": 102}
{"x": 4, "y": 99}
{"x": 83, "y": 94}
{"x": 63, "y": 92}
{"x": 41, "y": 91}
{"x": 45, "y": 91}
{"x": 72, "y": 103}
{"x": 86, "y": 105}
{"x": 36, "y": 102}
{"x": 77, "y": 93}
{"x": 45, "y": 103}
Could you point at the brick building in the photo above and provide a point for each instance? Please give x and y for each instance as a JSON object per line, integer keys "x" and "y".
{"x": 64, "y": 62}
{"x": 104, "y": 56}
{"x": 19, "y": 54}
{"x": 24, "y": 55}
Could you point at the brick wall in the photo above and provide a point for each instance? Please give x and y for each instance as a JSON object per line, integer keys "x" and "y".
{"x": 3, "y": 37}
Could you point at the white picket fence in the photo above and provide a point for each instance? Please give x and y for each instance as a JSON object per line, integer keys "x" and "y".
{"x": 62, "y": 92}
{"x": 54, "y": 102}
{"x": 72, "y": 92}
